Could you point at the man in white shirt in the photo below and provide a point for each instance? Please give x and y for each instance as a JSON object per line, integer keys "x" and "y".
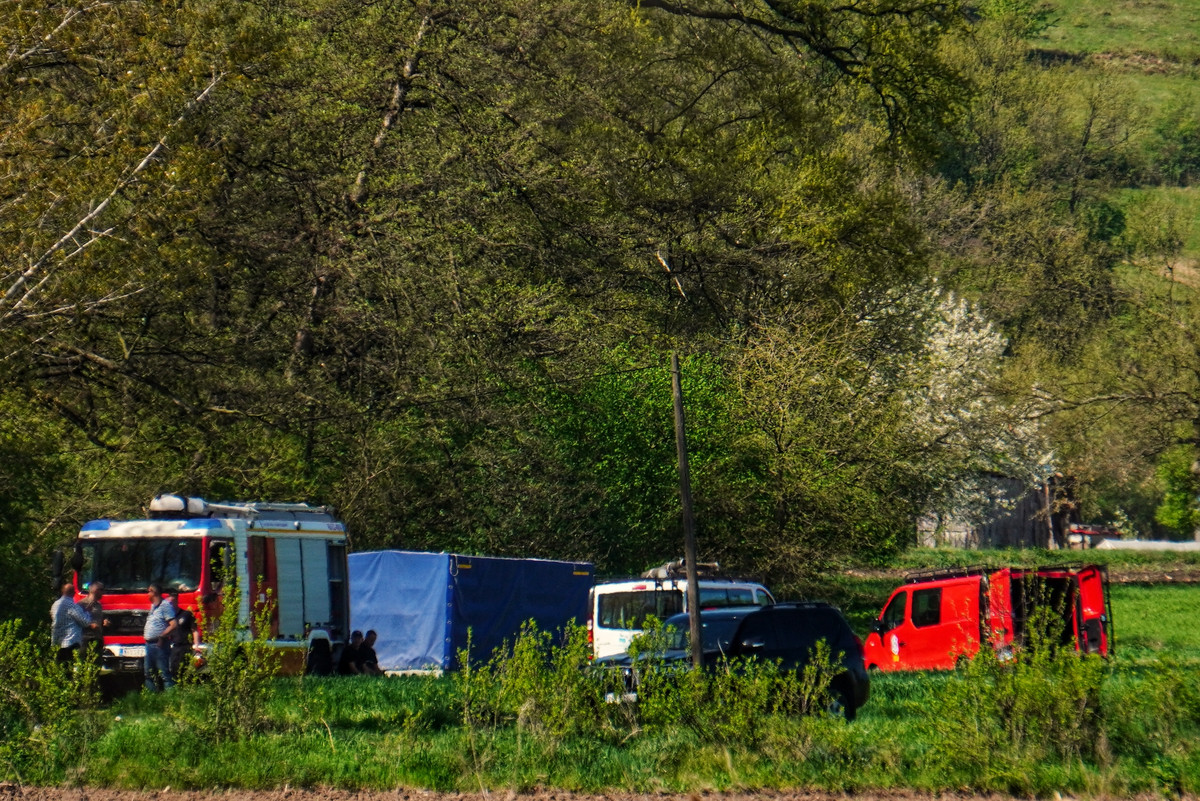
{"x": 67, "y": 622}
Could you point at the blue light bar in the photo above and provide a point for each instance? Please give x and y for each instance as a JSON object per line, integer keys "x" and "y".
{"x": 96, "y": 525}
{"x": 202, "y": 522}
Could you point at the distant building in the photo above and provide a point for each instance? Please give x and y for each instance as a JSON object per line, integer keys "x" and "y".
{"x": 1037, "y": 518}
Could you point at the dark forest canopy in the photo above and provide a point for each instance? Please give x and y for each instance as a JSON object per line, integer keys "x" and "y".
{"x": 426, "y": 262}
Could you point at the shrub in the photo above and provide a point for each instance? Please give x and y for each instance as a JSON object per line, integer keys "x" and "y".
{"x": 227, "y": 699}
{"x": 734, "y": 702}
{"x": 46, "y": 717}
{"x": 999, "y": 719}
{"x": 543, "y": 687}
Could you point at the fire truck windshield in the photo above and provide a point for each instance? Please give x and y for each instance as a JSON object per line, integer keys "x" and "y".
{"x": 134, "y": 563}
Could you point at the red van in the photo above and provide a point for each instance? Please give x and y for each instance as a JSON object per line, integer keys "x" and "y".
{"x": 941, "y": 616}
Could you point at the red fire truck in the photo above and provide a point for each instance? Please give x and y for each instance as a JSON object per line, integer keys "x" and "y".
{"x": 940, "y": 617}
{"x": 291, "y": 557}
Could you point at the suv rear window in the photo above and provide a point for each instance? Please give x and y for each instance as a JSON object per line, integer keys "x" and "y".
{"x": 628, "y": 610}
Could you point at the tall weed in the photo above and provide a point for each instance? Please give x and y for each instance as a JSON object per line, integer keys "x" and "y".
{"x": 733, "y": 702}
{"x": 1153, "y": 717}
{"x": 46, "y": 709}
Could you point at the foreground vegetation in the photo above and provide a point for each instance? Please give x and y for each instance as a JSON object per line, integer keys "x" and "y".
{"x": 537, "y": 718}
{"x": 1078, "y": 726}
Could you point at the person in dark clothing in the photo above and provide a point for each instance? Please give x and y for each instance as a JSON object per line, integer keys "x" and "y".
{"x": 320, "y": 656}
{"x": 187, "y": 634}
{"x": 348, "y": 664}
{"x": 368, "y": 662}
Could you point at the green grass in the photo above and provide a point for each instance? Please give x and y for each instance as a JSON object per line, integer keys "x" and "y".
{"x": 381, "y": 734}
{"x": 1127, "y": 26}
{"x": 1156, "y": 619}
{"x": 360, "y": 733}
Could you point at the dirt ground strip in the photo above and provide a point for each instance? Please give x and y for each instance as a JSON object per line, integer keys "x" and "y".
{"x": 9, "y": 792}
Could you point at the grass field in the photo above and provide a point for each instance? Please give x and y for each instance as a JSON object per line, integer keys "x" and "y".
{"x": 1168, "y": 29}
{"x": 1156, "y": 619}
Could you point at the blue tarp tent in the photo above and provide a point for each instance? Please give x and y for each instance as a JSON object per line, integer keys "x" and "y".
{"x": 422, "y": 604}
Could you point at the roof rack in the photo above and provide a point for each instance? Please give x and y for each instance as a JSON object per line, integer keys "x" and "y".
{"x": 678, "y": 569}
{"x": 176, "y": 507}
{"x": 933, "y": 574}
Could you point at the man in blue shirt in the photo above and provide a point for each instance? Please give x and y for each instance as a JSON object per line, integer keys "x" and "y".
{"x": 158, "y": 633}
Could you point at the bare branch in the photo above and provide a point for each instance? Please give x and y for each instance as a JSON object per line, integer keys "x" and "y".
{"x": 16, "y": 57}
{"x": 19, "y": 286}
{"x": 667, "y": 267}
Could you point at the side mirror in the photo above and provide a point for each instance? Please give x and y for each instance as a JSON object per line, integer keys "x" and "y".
{"x": 877, "y": 627}
{"x": 77, "y": 557}
{"x": 56, "y": 570}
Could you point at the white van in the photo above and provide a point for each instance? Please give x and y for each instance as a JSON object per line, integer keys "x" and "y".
{"x": 617, "y": 609}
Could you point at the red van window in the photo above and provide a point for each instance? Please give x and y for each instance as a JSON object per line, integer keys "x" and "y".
{"x": 927, "y": 607}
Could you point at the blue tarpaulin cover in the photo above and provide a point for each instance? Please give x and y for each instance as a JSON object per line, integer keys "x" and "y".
{"x": 422, "y": 605}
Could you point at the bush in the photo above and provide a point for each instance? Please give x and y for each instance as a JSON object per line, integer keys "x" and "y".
{"x": 734, "y": 702}
{"x": 1001, "y": 720}
{"x": 46, "y": 710}
{"x": 227, "y": 699}
{"x": 542, "y": 687}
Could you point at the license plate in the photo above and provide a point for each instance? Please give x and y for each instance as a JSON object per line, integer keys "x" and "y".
{"x": 134, "y": 651}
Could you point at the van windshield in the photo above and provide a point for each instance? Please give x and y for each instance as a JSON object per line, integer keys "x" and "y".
{"x": 629, "y": 610}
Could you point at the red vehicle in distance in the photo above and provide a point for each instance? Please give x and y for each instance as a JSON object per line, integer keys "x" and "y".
{"x": 939, "y": 617}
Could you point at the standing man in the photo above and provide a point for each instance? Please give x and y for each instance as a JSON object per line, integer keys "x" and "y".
{"x": 159, "y": 630}
{"x": 186, "y": 637}
{"x": 67, "y": 622}
{"x": 93, "y": 638}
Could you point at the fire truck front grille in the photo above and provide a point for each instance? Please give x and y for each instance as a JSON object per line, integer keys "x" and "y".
{"x": 124, "y": 623}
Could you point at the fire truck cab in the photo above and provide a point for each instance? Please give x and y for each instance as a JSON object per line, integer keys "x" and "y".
{"x": 939, "y": 617}
{"x": 289, "y": 558}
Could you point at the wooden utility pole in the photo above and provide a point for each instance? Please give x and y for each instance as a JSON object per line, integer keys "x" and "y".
{"x": 689, "y": 522}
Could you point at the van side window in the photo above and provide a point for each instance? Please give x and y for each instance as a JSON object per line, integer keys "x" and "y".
{"x": 893, "y": 616}
{"x": 927, "y": 607}
{"x": 720, "y": 597}
{"x": 741, "y": 596}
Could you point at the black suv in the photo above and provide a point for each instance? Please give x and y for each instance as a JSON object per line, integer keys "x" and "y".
{"x": 786, "y": 632}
